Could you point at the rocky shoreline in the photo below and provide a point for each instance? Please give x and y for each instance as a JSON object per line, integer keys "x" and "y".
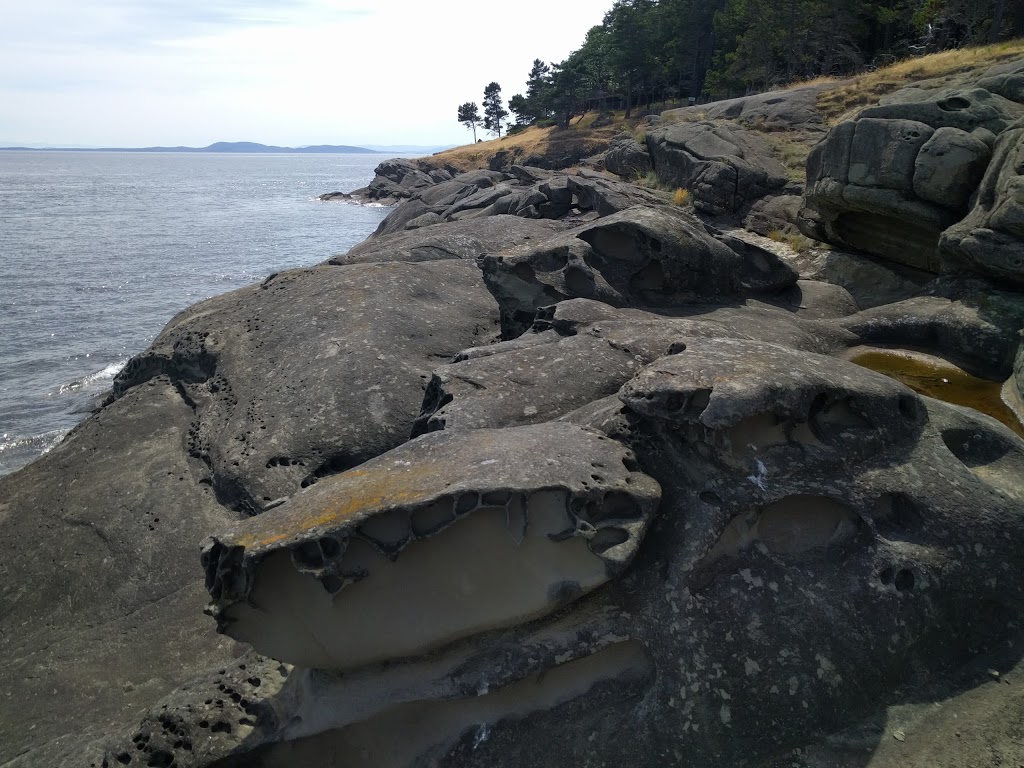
{"x": 552, "y": 471}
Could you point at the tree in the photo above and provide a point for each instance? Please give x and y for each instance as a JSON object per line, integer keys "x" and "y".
{"x": 469, "y": 116}
{"x": 494, "y": 111}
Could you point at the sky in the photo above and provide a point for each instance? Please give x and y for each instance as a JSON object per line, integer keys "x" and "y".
{"x": 134, "y": 73}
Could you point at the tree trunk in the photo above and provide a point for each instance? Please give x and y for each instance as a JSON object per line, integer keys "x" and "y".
{"x": 629, "y": 97}
{"x": 997, "y": 21}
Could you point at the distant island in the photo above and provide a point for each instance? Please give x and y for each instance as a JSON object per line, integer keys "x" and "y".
{"x": 224, "y": 147}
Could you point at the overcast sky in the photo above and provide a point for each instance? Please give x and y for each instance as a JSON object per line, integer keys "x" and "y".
{"x": 289, "y": 72}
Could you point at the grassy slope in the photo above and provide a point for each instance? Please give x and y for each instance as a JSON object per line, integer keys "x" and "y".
{"x": 838, "y": 101}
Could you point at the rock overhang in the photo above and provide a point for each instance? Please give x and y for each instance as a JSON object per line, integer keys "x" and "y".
{"x": 452, "y": 534}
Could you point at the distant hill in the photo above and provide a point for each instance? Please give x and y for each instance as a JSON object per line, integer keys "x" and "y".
{"x": 222, "y": 147}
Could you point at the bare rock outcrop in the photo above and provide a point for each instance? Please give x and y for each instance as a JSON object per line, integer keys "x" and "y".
{"x": 890, "y": 182}
{"x": 725, "y": 168}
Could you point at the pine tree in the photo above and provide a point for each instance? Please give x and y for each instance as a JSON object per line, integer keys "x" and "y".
{"x": 469, "y": 116}
{"x": 494, "y": 111}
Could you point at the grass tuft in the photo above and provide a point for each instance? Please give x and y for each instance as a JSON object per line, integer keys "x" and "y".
{"x": 681, "y": 197}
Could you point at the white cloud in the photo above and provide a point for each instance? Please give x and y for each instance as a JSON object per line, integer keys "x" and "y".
{"x": 121, "y": 73}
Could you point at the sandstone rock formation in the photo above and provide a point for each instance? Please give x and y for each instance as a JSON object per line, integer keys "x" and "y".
{"x": 902, "y": 174}
{"x": 551, "y": 472}
{"x": 724, "y": 168}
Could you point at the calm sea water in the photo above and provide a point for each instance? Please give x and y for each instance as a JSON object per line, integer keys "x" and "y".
{"x": 99, "y": 250}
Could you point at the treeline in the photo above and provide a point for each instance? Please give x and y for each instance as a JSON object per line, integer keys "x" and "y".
{"x": 650, "y": 52}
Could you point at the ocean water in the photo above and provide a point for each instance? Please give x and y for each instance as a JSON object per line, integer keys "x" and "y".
{"x": 99, "y": 250}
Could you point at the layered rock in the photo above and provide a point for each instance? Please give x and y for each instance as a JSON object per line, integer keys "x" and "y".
{"x": 891, "y": 181}
{"x": 665, "y": 521}
{"x": 990, "y": 239}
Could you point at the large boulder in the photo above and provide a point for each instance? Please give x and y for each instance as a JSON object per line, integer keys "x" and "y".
{"x": 312, "y": 371}
{"x": 794, "y": 109}
{"x": 640, "y": 257}
{"x": 455, "y": 240}
{"x": 990, "y": 239}
{"x": 889, "y": 182}
{"x": 819, "y": 544}
{"x": 458, "y": 533}
{"x": 628, "y": 158}
{"x": 724, "y": 168}
{"x": 99, "y": 601}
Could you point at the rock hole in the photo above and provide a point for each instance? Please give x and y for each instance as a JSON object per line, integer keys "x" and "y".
{"x": 606, "y": 538}
{"x": 331, "y": 548}
{"x": 710, "y": 497}
{"x": 650, "y": 278}
{"x": 124, "y": 758}
{"x": 904, "y": 581}
{"x": 308, "y": 555}
{"x": 676, "y": 348}
{"x": 467, "y": 503}
{"x": 801, "y": 523}
{"x": 524, "y": 272}
{"x": 886, "y": 576}
{"x": 908, "y": 406}
{"x": 954, "y": 104}
{"x": 896, "y": 514}
{"x": 578, "y": 282}
{"x": 431, "y": 519}
{"x": 630, "y": 464}
{"x": 221, "y": 727}
{"x": 496, "y": 498}
{"x": 975, "y": 448}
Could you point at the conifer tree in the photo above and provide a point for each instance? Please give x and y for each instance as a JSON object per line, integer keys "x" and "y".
{"x": 494, "y": 111}
{"x": 469, "y": 116}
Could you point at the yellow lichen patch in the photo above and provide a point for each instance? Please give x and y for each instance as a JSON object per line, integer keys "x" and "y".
{"x": 935, "y": 377}
{"x": 357, "y": 493}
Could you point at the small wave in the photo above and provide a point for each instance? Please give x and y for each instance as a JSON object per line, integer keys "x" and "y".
{"x": 92, "y": 380}
{"x": 356, "y": 201}
{"x": 18, "y": 450}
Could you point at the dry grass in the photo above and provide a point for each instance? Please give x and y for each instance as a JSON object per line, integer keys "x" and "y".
{"x": 798, "y": 243}
{"x": 954, "y": 67}
{"x": 791, "y": 149}
{"x": 681, "y": 197}
{"x": 580, "y": 136}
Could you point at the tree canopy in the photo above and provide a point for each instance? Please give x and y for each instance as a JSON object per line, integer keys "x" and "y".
{"x": 651, "y": 51}
{"x": 469, "y": 116}
{"x": 494, "y": 112}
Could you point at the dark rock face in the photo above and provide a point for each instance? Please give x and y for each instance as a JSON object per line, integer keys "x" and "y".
{"x": 775, "y": 214}
{"x": 892, "y": 181}
{"x": 990, "y": 240}
{"x": 395, "y": 180}
{"x": 724, "y": 168}
{"x": 628, "y": 158}
{"x": 640, "y": 257}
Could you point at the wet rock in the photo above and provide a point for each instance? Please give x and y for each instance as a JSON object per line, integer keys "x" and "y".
{"x": 724, "y": 168}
